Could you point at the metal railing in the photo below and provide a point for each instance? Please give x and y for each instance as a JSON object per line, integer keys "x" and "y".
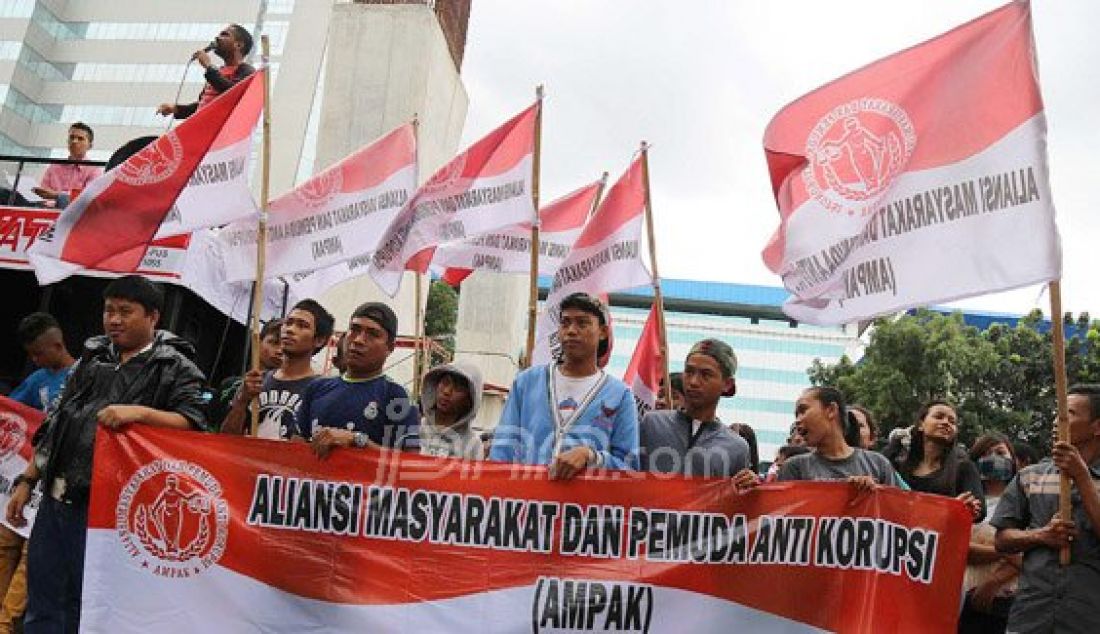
{"x": 22, "y": 161}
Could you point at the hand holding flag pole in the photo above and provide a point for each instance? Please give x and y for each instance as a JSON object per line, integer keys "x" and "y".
{"x": 1058, "y": 337}
{"x": 261, "y": 235}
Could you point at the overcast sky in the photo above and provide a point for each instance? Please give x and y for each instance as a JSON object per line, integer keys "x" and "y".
{"x": 700, "y": 79}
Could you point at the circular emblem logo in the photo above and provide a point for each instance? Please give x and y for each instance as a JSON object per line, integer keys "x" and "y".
{"x": 445, "y": 177}
{"x": 154, "y": 163}
{"x": 370, "y": 411}
{"x": 172, "y": 518}
{"x": 13, "y": 431}
{"x": 856, "y": 152}
{"x": 318, "y": 191}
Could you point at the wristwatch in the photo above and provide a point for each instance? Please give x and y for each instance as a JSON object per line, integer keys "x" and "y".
{"x": 359, "y": 439}
{"x": 21, "y": 479}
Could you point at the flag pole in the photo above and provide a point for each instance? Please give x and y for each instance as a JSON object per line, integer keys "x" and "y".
{"x": 533, "y": 294}
{"x": 261, "y": 234}
{"x": 1059, "y": 340}
{"x": 658, "y": 300}
{"x": 599, "y": 196}
{"x": 418, "y": 312}
{"x": 418, "y": 369}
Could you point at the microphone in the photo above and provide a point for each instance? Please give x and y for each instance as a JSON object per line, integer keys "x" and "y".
{"x": 209, "y": 47}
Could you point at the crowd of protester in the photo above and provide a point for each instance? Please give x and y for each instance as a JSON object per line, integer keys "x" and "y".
{"x": 569, "y": 416}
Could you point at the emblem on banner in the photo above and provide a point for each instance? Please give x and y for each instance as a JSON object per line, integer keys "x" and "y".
{"x": 317, "y": 192}
{"x": 13, "y": 432}
{"x": 154, "y": 163}
{"x": 172, "y": 518}
{"x": 445, "y": 177}
{"x": 856, "y": 152}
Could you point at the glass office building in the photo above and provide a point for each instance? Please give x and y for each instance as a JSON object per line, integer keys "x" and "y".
{"x": 773, "y": 352}
{"x": 109, "y": 63}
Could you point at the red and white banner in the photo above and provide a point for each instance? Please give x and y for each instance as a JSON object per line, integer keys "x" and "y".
{"x": 196, "y": 532}
{"x": 20, "y": 227}
{"x": 190, "y": 260}
{"x": 217, "y": 193}
{"x": 646, "y": 369}
{"x": 112, "y": 222}
{"x": 17, "y": 426}
{"x": 204, "y": 273}
{"x": 920, "y": 178}
{"x": 485, "y": 188}
{"x": 338, "y": 214}
{"x": 607, "y": 257}
{"x": 509, "y": 250}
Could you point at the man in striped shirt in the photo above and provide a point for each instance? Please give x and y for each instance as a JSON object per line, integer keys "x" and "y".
{"x": 1052, "y": 597}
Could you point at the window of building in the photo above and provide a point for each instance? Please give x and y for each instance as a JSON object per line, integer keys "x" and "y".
{"x": 16, "y": 8}
{"x": 9, "y": 50}
{"x": 39, "y": 66}
{"x": 144, "y": 73}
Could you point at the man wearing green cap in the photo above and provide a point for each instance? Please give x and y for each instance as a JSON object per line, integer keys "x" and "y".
{"x": 691, "y": 440}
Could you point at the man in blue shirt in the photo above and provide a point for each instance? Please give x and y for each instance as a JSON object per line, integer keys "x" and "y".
{"x": 363, "y": 406}
{"x": 44, "y": 343}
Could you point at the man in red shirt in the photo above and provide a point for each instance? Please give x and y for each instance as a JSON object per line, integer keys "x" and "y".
{"x": 63, "y": 178}
{"x": 232, "y": 45}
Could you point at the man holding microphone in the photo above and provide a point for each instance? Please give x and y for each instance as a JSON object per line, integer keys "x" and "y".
{"x": 232, "y": 45}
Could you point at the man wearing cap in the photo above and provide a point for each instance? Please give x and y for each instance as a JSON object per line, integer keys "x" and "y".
{"x": 570, "y": 415}
{"x": 691, "y": 440}
{"x": 362, "y": 406}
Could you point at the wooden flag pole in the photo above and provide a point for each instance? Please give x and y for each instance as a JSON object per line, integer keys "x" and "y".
{"x": 418, "y": 361}
{"x": 1058, "y": 336}
{"x": 418, "y": 312}
{"x": 599, "y": 196}
{"x": 533, "y": 292}
{"x": 658, "y": 300}
{"x": 261, "y": 234}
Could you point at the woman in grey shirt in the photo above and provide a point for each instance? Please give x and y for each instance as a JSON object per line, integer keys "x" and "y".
{"x": 823, "y": 421}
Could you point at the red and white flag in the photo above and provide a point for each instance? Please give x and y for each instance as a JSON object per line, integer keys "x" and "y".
{"x": 338, "y": 214}
{"x": 110, "y": 225}
{"x": 920, "y": 178}
{"x": 485, "y": 188}
{"x": 607, "y": 257}
{"x": 217, "y": 192}
{"x": 646, "y": 370}
{"x": 203, "y": 271}
{"x": 18, "y": 424}
{"x": 509, "y": 250}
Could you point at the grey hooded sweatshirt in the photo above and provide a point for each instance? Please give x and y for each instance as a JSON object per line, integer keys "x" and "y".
{"x": 459, "y": 440}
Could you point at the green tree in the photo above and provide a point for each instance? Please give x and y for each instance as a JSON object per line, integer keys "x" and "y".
{"x": 1000, "y": 379}
{"x": 441, "y": 316}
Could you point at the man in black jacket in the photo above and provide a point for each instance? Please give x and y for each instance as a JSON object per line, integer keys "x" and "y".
{"x": 232, "y": 45}
{"x": 132, "y": 375}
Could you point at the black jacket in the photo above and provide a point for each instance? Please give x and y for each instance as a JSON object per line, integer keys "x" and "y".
{"x": 163, "y": 378}
{"x": 219, "y": 83}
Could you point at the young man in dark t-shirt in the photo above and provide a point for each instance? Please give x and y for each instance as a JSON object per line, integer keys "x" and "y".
{"x": 271, "y": 357}
{"x": 305, "y": 330}
{"x": 363, "y": 406}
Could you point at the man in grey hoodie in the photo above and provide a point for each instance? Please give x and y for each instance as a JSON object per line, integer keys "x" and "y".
{"x": 450, "y": 399}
